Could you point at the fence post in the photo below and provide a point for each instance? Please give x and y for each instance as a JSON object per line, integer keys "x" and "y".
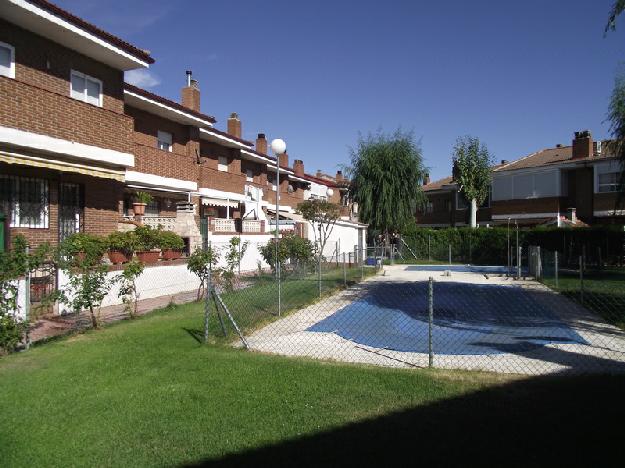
{"x": 450, "y": 254}
{"x": 581, "y": 277}
{"x": 208, "y": 292}
{"x": 429, "y": 250}
{"x": 319, "y": 274}
{"x": 362, "y": 263}
{"x": 27, "y": 302}
{"x": 344, "y": 271}
{"x": 518, "y": 262}
{"x": 430, "y": 321}
{"x": 555, "y": 261}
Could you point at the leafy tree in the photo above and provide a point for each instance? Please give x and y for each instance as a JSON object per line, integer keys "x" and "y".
{"x": 322, "y": 216}
{"x": 616, "y": 116}
{"x": 617, "y": 9}
{"x": 88, "y": 284}
{"x": 203, "y": 264}
{"x": 128, "y": 286}
{"x": 472, "y": 172}
{"x": 234, "y": 255}
{"x": 386, "y": 174}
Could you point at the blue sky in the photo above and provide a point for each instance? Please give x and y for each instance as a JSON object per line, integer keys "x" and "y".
{"x": 519, "y": 75}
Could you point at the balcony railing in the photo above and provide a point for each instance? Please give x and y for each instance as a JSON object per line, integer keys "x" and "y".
{"x": 252, "y": 226}
{"x": 223, "y": 225}
{"x": 168, "y": 223}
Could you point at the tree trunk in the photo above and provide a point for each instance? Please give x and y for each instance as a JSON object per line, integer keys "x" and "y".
{"x": 473, "y": 213}
{"x": 94, "y": 320}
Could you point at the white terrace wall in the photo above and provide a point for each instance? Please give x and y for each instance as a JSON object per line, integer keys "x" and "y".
{"x": 344, "y": 237}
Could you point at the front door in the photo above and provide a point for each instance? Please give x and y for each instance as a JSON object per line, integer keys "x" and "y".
{"x": 70, "y": 210}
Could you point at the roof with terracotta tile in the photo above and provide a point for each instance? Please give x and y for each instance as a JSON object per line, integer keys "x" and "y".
{"x": 81, "y": 23}
{"x": 438, "y": 184}
{"x": 175, "y": 105}
{"x": 552, "y": 157}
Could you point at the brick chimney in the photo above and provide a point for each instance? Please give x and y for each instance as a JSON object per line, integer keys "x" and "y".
{"x": 298, "y": 167}
{"x": 261, "y": 143}
{"x": 191, "y": 93}
{"x": 582, "y": 145}
{"x": 339, "y": 176}
{"x": 284, "y": 159}
{"x": 426, "y": 179}
{"x": 319, "y": 174}
{"x": 234, "y": 125}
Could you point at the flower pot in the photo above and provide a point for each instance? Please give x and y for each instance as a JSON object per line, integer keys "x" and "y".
{"x": 139, "y": 208}
{"x": 148, "y": 256}
{"x": 117, "y": 256}
{"x": 171, "y": 254}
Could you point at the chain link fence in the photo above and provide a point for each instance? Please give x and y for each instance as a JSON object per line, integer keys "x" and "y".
{"x": 523, "y": 315}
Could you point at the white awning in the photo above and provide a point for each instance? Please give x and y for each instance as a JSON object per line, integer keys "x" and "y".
{"x": 287, "y": 215}
{"x": 219, "y": 202}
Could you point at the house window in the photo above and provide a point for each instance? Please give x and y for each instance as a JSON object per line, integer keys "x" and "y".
{"x": 7, "y": 60}
{"x": 447, "y": 205}
{"x": 165, "y": 141}
{"x": 222, "y": 164}
{"x": 249, "y": 175}
{"x": 26, "y": 199}
{"x": 152, "y": 209}
{"x": 609, "y": 182}
{"x": 429, "y": 207}
{"x": 86, "y": 88}
{"x": 461, "y": 201}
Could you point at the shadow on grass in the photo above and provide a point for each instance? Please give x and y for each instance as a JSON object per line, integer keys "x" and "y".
{"x": 537, "y": 422}
{"x": 197, "y": 335}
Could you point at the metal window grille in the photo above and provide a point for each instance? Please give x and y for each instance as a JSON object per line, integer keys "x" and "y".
{"x": 27, "y": 201}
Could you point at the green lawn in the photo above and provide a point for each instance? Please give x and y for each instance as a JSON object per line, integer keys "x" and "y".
{"x": 146, "y": 393}
{"x": 604, "y": 292}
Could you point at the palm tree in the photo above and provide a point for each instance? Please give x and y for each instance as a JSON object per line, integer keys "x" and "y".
{"x": 386, "y": 174}
{"x": 472, "y": 172}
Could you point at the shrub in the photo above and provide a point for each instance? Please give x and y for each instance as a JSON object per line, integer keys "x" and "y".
{"x": 147, "y": 238}
{"x": 170, "y": 240}
{"x": 91, "y": 246}
{"x": 291, "y": 248}
{"x": 125, "y": 242}
{"x": 12, "y": 332}
{"x": 234, "y": 255}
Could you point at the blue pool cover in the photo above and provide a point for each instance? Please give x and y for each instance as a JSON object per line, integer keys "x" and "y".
{"x": 468, "y": 319}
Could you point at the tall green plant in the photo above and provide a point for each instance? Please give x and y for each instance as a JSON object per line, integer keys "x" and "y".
{"x": 386, "y": 174}
{"x": 203, "y": 263}
{"x": 472, "y": 171}
{"x": 128, "y": 291}
{"x": 233, "y": 256}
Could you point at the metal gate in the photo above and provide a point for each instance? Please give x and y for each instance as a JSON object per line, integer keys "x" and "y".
{"x": 204, "y": 231}
{"x": 70, "y": 210}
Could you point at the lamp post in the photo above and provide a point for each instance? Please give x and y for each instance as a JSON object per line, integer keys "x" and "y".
{"x": 278, "y": 147}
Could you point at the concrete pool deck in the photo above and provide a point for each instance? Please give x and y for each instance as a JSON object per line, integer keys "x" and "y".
{"x": 483, "y": 321}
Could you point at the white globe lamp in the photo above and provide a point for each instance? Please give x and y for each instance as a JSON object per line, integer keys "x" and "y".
{"x": 329, "y": 192}
{"x": 278, "y": 146}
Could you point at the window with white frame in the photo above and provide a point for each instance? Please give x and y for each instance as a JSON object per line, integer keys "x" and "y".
{"x": 249, "y": 175}
{"x": 152, "y": 209}
{"x": 165, "y": 140}
{"x": 26, "y": 200}
{"x": 609, "y": 182}
{"x": 7, "y": 60}
{"x": 222, "y": 164}
{"x": 86, "y": 88}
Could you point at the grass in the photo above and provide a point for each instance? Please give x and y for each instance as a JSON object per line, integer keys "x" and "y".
{"x": 604, "y": 292}
{"x": 145, "y": 393}
{"x": 257, "y": 304}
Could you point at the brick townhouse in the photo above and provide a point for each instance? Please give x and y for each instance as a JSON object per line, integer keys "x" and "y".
{"x": 77, "y": 143}
{"x": 563, "y": 184}
{"x": 65, "y": 140}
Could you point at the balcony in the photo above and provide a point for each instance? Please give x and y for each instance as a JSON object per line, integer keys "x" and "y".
{"x": 246, "y": 226}
{"x": 167, "y": 223}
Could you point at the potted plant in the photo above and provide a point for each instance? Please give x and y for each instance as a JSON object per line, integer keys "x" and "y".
{"x": 147, "y": 244}
{"x": 121, "y": 245}
{"x": 81, "y": 247}
{"x": 142, "y": 200}
{"x": 171, "y": 245}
